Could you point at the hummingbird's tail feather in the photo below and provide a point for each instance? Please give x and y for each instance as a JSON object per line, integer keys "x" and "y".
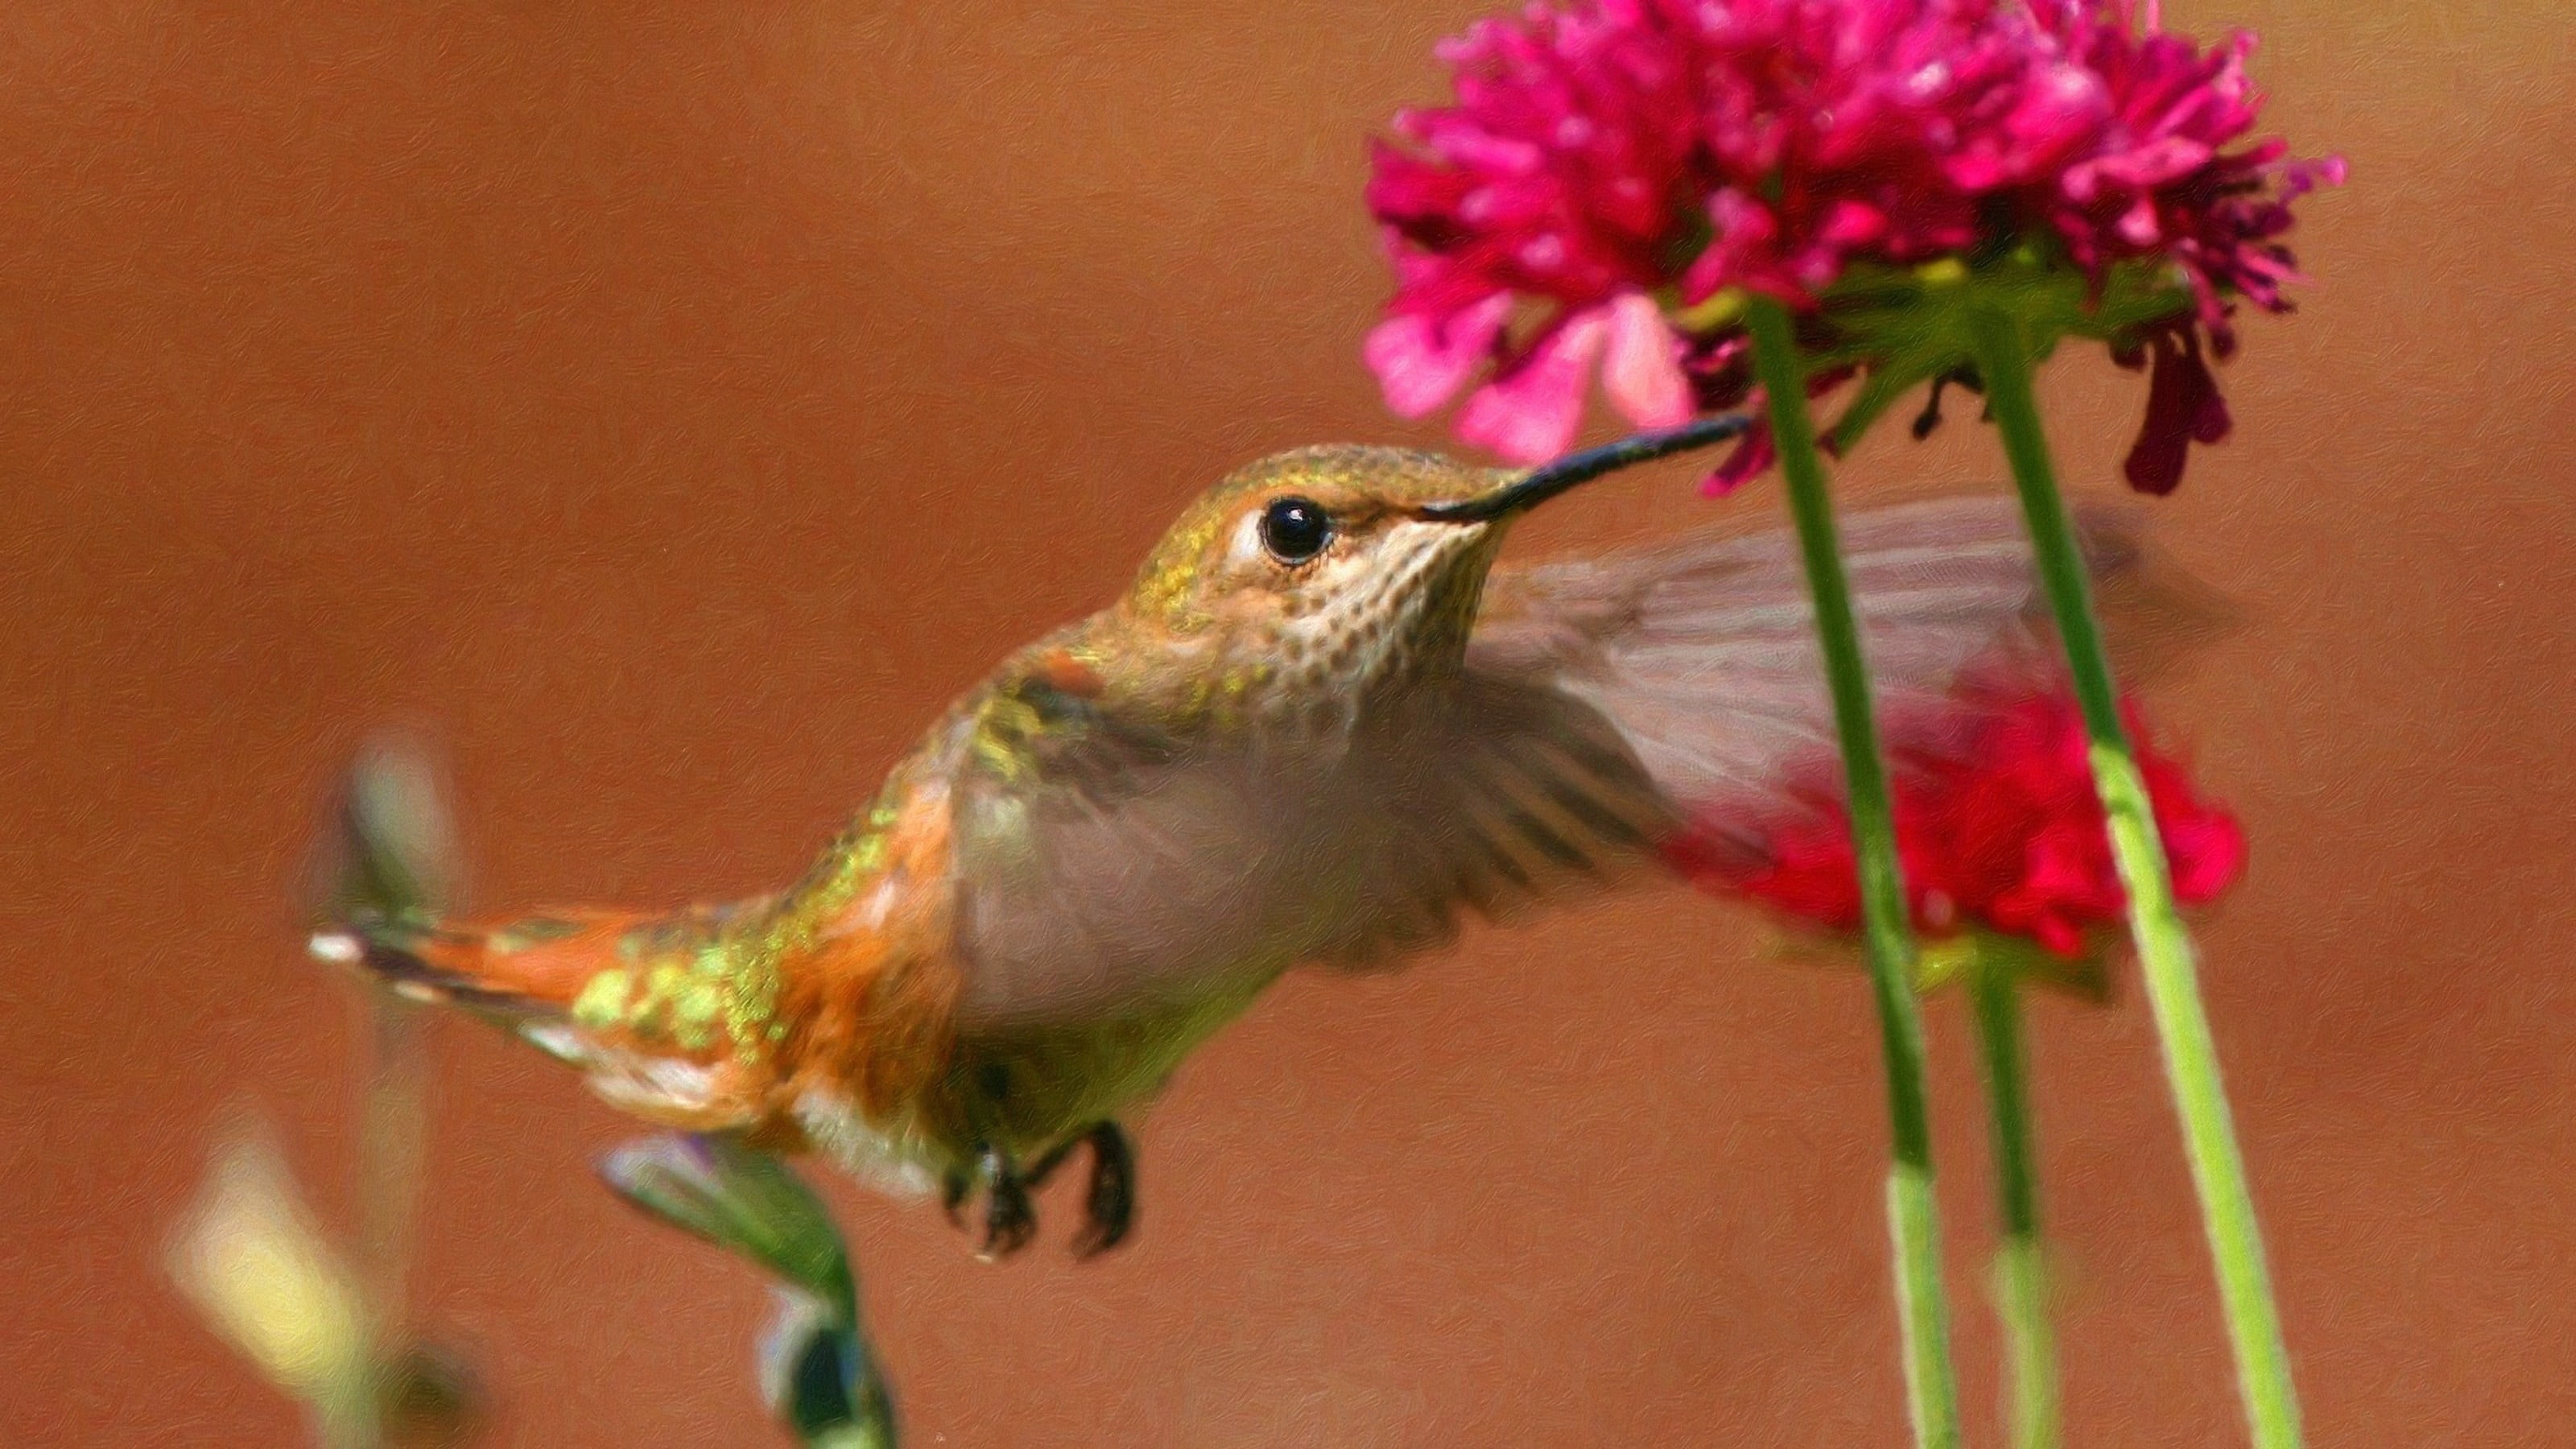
{"x": 528, "y": 970}
{"x": 565, "y": 981}
{"x": 387, "y": 877}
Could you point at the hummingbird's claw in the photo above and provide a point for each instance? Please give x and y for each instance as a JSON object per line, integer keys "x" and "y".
{"x": 1109, "y": 1208}
{"x": 1009, "y": 1221}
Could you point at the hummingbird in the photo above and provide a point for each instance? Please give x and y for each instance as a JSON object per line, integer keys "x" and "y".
{"x": 1320, "y": 729}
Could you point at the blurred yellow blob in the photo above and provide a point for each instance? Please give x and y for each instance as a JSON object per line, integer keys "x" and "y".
{"x": 252, "y": 1258}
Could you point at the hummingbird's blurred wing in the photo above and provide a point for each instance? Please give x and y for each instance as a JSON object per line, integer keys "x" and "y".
{"x": 1702, "y": 653}
{"x": 1608, "y": 699}
{"x": 1498, "y": 796}
{"x": 1102, "y": 865}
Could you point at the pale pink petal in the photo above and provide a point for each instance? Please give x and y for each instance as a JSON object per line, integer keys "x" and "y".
{"x": 1642, "y": 370}
{"x": 1530, "y": 415}
{"x": 2138, "y": 224}
{"x": 1421, "y": 363}
{"x": 2156, "y": 163}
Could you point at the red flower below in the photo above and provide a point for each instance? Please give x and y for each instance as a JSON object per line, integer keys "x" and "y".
{"x": 1997, "y": 825}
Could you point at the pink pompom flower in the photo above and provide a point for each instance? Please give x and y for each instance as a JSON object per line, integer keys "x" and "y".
{"x": 1615, "y": 176}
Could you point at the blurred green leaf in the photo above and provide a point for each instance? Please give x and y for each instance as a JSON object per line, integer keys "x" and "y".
{"x": 815, "y": 1367}
{"x": 743, "y": 1201}
{"x": 393, "y": 853}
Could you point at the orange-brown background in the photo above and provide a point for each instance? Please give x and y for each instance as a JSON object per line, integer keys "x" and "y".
{"x": 669, "y": 405}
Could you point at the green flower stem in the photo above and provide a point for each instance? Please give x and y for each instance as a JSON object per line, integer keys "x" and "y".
{"x": 393, "y": 1130}
{"x": 1923, "y": 1314}
{"x": 2155, "y": 924}
{"x": 395, "y": 1114}
{"x": 2021, "y": 1276}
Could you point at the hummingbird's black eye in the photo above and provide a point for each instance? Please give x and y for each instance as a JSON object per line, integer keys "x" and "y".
{"x": 1295, "y": 529}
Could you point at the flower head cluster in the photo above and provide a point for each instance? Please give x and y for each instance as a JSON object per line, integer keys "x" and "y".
{"x": 1998, "y": 827}
{"x": 1615, "y": 174}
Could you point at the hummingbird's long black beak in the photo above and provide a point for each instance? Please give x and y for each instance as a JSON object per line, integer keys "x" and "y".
{"x": 1541, "y": 484}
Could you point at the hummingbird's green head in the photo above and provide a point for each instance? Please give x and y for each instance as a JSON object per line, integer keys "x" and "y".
{"x": 1302, "y": 582}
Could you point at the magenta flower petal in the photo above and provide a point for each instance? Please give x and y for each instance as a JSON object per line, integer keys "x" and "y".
{"x": 2183, "y": 407}
{"x": 1744, "y": 462}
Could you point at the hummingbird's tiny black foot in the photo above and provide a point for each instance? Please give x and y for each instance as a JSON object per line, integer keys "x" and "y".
{"x": 1109, "y": 1208}
{"x": 1009, "y": 1220}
